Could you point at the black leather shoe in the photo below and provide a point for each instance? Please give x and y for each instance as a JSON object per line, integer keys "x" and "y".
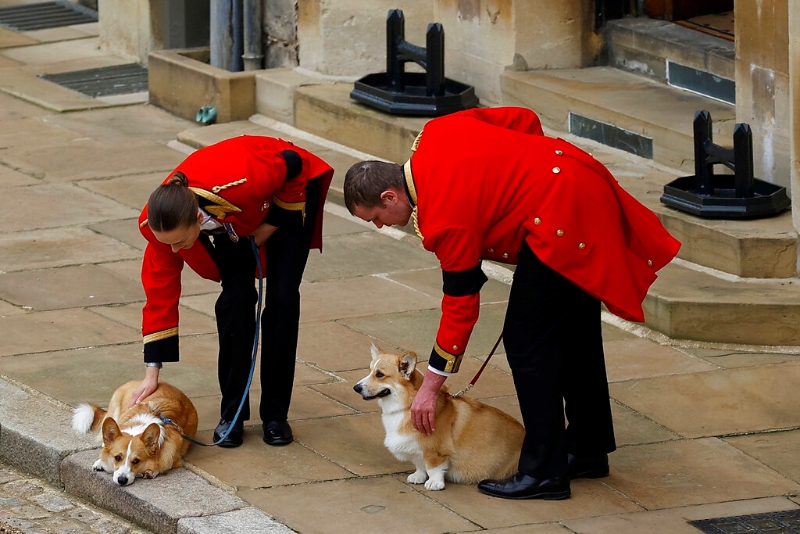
{"x": 277, "y": 433}
{"x": 522, "y": 486}
{"x": 591, "y": 466}
{"x": 234, "y": 439}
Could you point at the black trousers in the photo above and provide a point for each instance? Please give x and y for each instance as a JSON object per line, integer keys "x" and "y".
{"x": 554, "y": 345}
{"x": 287, "y": 253}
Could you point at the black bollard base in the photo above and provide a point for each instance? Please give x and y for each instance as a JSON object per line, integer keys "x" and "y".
{"x": 767, "y": 200}
{"x": 374, "y": 91}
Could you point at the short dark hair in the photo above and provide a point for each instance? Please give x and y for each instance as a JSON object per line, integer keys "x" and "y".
{"x": 172, "y": 205}
{"x": 367, "y": 180}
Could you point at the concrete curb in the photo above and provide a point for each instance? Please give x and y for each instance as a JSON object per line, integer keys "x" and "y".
{"x": 36, "y": 437}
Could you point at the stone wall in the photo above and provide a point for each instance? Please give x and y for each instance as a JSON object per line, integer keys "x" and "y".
{"x": 762, "y": 84}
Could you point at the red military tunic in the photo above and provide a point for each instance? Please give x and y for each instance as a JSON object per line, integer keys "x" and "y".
{"x": 241, "y": 179}
{"x": 486, "y": 179}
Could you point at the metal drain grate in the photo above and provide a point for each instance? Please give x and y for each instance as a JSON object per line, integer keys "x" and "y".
{"x": 45, "y": 15}
{"x": 119, "y": 80}
{"x": 769, "y": 523}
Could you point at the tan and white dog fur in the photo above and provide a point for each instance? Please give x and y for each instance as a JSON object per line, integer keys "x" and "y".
{"x": 472, "y": 441}
{"x": 137, "y": 442}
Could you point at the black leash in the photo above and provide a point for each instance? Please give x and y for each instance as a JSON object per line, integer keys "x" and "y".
{"x": 170, "y": 422}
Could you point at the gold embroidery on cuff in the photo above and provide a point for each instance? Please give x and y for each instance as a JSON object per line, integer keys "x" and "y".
{"x": 158, "y": 336}
{"x": 453, "y": 360}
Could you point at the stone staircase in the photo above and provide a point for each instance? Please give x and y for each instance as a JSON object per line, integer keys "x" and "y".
{"x": 735, "y": 282}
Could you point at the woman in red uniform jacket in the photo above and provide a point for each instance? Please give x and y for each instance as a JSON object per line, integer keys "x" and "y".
{"x": 488, "y": 184}
{"x": 203, "y": 215}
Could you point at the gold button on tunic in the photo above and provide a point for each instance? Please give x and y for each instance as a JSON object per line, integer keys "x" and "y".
{"x": 560, "y": 233}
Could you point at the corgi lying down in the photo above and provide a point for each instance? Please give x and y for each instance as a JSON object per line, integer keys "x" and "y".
{"x": 137, "y": 442}
{"x": 472, "y": 441}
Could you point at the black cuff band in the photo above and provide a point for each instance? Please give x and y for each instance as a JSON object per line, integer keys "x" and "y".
{"x": 463, "y": 283}
{"x": 162, "y": 350}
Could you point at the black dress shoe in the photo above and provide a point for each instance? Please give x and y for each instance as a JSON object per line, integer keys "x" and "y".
{"x": 277, "y": 433}
{"x": 522, "y": 486}
{"x": 589, "y": 466}
{"x": 234, "y": 439}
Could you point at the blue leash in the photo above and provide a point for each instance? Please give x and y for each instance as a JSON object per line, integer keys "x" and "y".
{"x": 170, "y": 422}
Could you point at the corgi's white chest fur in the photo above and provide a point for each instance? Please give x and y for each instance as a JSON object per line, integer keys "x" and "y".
{"x": 403, "y": 445}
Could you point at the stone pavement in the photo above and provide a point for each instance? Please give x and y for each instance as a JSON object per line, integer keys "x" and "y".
{"x": 704, "y": 431}
{"x": 31, "y": 506}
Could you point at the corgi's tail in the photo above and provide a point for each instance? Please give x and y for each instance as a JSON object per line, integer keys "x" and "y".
{"x": 86, "y": 417}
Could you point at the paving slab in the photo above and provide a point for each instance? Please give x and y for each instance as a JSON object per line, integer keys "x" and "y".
{"x": 123, "y": 125}
{"x": 68, "y": 287}
{"x": 55, "y": 52}
{"x": 354, "y": 442}
{"x": 61, "y": 329}
{"x": 643, "y": 358}
{"x": 44, "y": 249}
{"x": 123, "y": 230}
{"x": 589, "y": 498}
{"x": 13, "y": 108}
{"x": 29, "y": 131}
{"x": 382, "y": 503}
{"x": 12, "y": 178}
{"x": 85, "y": 159}
{"x": 129, "y": 190}
{"x": 340, "y": 251}
{"x": 720, "y": 402}
{"x": 54, "y": 205}
{"x": 257, "y": 465}
{"x": 415, "y": 330}
{"x": 675, "y": 521}
{"x": 777, "y": 450}
{"x": 633, "y": 428}
{"x": 680, "y": 473}
{"x": 731, "y": 358}
{"x": 10, "y": 39}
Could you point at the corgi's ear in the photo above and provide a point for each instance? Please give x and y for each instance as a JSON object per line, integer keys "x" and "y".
{"x": 407, "y": 364}
{"x": 375, "y": 352}
{"x": 150, "y": 438}
{"x": 111, "y": 431}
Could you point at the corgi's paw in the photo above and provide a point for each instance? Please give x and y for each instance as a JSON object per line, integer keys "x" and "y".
{"x": 98, "y": 466}
{"x": 434, "y": 484}
{"x": 149, "y": 474}
{"x": 417, "y": 477}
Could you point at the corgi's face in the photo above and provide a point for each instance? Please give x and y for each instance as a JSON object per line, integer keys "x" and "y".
{"x": 389, "y": 374}
{"x": 131, "y": 453}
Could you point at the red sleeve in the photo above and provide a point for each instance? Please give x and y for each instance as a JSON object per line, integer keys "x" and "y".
{"x": 458, "y": 250}
{"x": 161, "y": 278}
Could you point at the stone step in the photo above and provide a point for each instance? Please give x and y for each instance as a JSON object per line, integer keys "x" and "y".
{"x": 673, "y": 54}
{"x": 687, "y": 304}
{"x": 624, "y": 110}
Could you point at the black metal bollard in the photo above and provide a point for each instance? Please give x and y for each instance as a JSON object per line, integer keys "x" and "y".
{"x": 723, "y": 196}
{"x": 402, "y": 93}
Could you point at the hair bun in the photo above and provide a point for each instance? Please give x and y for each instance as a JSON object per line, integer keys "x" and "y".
{"x": 178, "y": 179}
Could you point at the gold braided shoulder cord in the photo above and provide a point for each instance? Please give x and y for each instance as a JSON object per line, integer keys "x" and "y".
{"x": 218, "y": 188}
{"x": 415, "y": 218}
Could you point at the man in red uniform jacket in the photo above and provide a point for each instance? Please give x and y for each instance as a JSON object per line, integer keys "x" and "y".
{"x": 245, "y": 186}
{"x": 488, "y": 184}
